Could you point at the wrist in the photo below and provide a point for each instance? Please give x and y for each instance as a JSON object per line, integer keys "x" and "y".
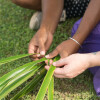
{"x": 73, "y": 46}
{"x": 90, "y": 59}
{"x": 94, "y": 59}
{"x": 46, "y": 30}
{"x": 79, "y": 37}
{"x": 75, "y": 41}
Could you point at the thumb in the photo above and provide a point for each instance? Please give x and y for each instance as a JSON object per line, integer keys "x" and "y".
{"x": 41, "y": 48}
{"x": 52, "y": 54}
{"x": 60, "y": 62}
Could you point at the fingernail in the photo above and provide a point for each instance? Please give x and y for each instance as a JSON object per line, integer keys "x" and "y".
{"x": 38, "y": 55}
{"x": 51, "y": 61}
{"x": 47, "y": 56}
{"x": 42, "y": 53}
{"x": 54, "y": 63}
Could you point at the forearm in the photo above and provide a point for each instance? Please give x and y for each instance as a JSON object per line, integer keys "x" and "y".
{"x": 89, "y": 21}
{"x": 94, "y": 59}
{"x": 52, "y": 10}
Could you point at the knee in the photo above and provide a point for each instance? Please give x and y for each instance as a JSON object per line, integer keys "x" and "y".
{"x": 16, "y": 1}
{"x": 19, "y": 2}
{"x": 30, "y": 4}
{"x": 22, "y": 3}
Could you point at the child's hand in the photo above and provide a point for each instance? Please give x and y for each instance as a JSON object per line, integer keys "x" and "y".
{"x": 40, "y": 43}
{"x": 73, "y": 65}
{"x": 64, "y": 49}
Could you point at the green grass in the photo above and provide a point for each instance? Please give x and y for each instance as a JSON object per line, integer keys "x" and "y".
{"x": 14, "y": 38}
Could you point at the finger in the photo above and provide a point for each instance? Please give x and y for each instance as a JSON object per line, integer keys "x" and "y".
{"x": 52, "y": 54}
{"x": 41, "y": 48}
{"x": 65, "y": 75}
{"x": 51, "y": 61}
{"x": 59, "y": 71}
{"x": 47, "y": 67}
{"x": 59, "y": 76}
{"x": 33, "y": 59}
{"x": 35, "y": 55}
{"x": 32, "y": 49}
{"x": 60, "y": 62}
{"x": 38, "y": 55}
{"x": 36, "y": 59}
{"x": 63, "y": 54}
{"x": 46, "y": 61}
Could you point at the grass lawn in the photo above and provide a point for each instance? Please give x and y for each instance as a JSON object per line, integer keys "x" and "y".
{"x": 14, "y": 38}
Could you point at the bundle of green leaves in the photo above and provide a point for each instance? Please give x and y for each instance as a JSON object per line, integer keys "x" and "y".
{"x": 16, "y": 77}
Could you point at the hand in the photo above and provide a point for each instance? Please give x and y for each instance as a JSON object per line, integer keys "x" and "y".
{"x": 73, "y": 65}
{"x": 64, "y": 49}
{"x": 40, "y": 43}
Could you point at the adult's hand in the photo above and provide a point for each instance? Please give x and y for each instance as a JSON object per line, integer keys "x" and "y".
{"x": 72, "y": 65}
{"x": 40, "y": 43}
{"x": 65, "y": 49}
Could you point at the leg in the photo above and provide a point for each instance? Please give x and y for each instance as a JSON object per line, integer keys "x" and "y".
{"x": 30, "y": 4}
{"x": 34, "y": 5}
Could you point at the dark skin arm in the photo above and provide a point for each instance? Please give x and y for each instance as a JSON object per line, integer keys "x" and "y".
{"x": 89, "y": 21}
{"x": 52, "y": 10}
{"x": 42, "y": 40}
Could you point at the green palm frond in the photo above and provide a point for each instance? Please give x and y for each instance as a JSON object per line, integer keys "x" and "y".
{"x": 31, "y": 86}
{"x": 17, "y": 81}
{"x": 51, "y": 89}
{"x": 46, "y": 82}
{"x": 16, "y": 77}
{"x": 12, "y": 58}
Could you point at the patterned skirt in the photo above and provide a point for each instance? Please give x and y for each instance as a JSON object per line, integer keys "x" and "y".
{"x": 75, "y": 8}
